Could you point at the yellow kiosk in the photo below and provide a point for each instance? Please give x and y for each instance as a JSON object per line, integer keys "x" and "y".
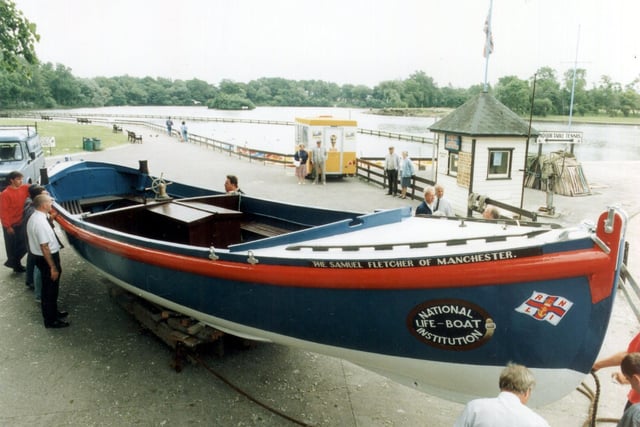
{"x": 338, "y": 137}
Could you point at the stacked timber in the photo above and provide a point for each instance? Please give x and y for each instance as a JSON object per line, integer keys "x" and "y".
{"x": 559, "y": 172}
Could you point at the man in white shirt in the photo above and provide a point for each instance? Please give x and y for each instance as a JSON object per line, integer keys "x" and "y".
{"x": 509, "y": 408}
{"x": 442, "y": 206}
{"x": 45, "y": 247}
{"x": 318, "y": 158}
{"x": 391, "y": 168}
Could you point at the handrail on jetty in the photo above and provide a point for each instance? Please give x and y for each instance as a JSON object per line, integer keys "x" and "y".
{"x": 122, "y": 118}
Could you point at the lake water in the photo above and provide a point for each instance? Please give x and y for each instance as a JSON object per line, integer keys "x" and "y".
{"x": 600, "y": 142}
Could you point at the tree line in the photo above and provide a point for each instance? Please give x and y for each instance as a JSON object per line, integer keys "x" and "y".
{"x": 25, "y": 83}
{"x": 49, "y": 86}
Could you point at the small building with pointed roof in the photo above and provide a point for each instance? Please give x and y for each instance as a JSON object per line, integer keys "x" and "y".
{"x": 481, "y": 149}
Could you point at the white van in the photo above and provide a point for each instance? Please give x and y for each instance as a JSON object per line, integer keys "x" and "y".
{"x": 20, "y": 150}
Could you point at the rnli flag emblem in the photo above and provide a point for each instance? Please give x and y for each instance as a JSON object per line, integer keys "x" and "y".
{"x": 541, "y": 306}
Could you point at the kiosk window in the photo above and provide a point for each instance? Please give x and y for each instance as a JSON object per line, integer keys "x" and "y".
{"x": 453, "y": 164}
{"x": 499, "y": 163}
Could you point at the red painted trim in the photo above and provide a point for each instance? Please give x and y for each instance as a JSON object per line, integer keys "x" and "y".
{"x": 592, "y": 263}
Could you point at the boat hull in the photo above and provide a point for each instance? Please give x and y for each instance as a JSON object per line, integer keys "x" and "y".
{"x": 444, "y": 327}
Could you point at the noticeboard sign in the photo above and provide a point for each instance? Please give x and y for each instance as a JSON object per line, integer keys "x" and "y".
{"x": 452, "y": 142}
{"x": 559, "y": 137}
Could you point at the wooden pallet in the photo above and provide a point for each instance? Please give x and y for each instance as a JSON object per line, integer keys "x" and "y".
{"x": 180, "y": 332}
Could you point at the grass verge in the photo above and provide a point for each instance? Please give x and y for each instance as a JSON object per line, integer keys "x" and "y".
{"x": 69, "y": 136}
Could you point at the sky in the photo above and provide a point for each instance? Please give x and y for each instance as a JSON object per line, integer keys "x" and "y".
{"x": 341, "y": 41}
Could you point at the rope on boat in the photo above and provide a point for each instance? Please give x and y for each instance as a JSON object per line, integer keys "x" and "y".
{"x": 594, "y": 397}
{"x": 245, "y": 394}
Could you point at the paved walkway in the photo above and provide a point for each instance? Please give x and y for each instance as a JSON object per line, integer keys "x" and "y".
{"x": 104, "y": 370}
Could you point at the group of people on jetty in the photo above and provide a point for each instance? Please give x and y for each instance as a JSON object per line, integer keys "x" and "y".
{"x": 396, "y": 168}
{"x": 184, "y": 130}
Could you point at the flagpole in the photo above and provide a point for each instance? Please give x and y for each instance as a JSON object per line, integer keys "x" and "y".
{"x": 487, "y": 48}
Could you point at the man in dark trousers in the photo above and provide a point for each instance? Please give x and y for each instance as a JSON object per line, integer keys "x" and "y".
{"x": 391, "y": 168}
{"x": 11, "y": 208}
{"x": 45, "y": 248}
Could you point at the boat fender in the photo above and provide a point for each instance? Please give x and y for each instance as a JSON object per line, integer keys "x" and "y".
{"x": 212, "y": 254}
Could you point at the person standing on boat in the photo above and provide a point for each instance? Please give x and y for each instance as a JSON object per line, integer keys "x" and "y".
{"x": 391, "y": 167}
{"x": 407, "y": 170}
{"x": 231, "y": 185}
{"x": 45, "y": 247}
{"x": 630, "y": 367}
{"x": 318, "y": 158}
{"x": 442, "y": 205}
{"x": 427, "y": 206}
{"x": 300, "y": 159}
{"x": 509, "y": 408}
{"x": 184, "y": 132}
{"x": 169, "y": 124}
{"x": 11, "y": 209}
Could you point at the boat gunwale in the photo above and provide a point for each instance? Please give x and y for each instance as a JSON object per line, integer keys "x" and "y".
{"x": 584, "y": 262}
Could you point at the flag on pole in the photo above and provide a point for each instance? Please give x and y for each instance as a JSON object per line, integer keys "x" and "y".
{"x": 488, "y": 43}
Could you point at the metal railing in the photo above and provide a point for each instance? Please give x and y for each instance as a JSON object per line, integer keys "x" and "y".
{"x": 478, "y": 202}
{"x": 371, "y": 170}
{"x": 102, "y": 117}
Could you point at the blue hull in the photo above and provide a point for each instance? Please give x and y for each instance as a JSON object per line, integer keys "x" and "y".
{"x": 417, "y": 318}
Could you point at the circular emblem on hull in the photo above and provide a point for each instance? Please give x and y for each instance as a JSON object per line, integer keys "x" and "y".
{"x": 451, "y": 324}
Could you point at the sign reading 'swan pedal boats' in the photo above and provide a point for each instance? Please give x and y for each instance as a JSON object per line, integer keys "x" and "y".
{"x": 451, "y": 324}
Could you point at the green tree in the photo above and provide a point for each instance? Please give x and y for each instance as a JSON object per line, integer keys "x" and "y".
{"x": 234, "y": 101}
{"x": 200, "y": 91}
{"x": 389, "y": 94}
{"x": 581, "y": 102}
{"x": 547, "y": 87}
{"x": 17, "y": 38}
{"x": 514, "y": 93}
{"x": 64, "y": 88}
{"x": 419, "y": 91}
{"x": 606, "y": 96}
{"x": 451, "y": 97}
{"x": 629, "y": 102}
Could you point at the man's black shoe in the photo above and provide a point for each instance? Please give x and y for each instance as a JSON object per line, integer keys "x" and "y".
{"x": 62, "y": 314}
{"x": 57, "y": 324}
{"x": 19, "y": 269}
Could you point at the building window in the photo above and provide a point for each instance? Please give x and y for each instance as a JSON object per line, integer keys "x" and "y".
{"x": 499, "y": 163}
{"x": 453, "y": 164}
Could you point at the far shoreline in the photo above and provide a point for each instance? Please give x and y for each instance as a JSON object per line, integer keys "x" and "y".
{"x": 441, "y": 112}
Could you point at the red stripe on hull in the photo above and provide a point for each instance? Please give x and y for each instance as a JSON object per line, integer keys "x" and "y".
{"x": 593, "y": 263}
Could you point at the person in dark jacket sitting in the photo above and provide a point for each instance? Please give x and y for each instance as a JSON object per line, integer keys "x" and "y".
{"x": 426, "y": 207}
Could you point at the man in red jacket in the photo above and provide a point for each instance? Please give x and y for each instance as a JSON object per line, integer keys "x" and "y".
{"x": 11, "y": 209}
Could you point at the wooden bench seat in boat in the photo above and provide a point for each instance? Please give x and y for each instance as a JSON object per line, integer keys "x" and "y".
{"x": 196, "y": 224}
{"x": 190, "y": 222}
{"x": 262, "y": 229}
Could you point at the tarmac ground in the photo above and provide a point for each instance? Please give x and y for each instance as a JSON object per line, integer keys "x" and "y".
{"x": 105, "y": 370}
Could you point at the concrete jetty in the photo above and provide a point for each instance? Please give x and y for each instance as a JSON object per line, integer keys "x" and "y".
{"x": 105, "y": 370}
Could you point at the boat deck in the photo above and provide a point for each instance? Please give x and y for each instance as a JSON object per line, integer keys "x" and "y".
{"x": 218, "y": 221}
